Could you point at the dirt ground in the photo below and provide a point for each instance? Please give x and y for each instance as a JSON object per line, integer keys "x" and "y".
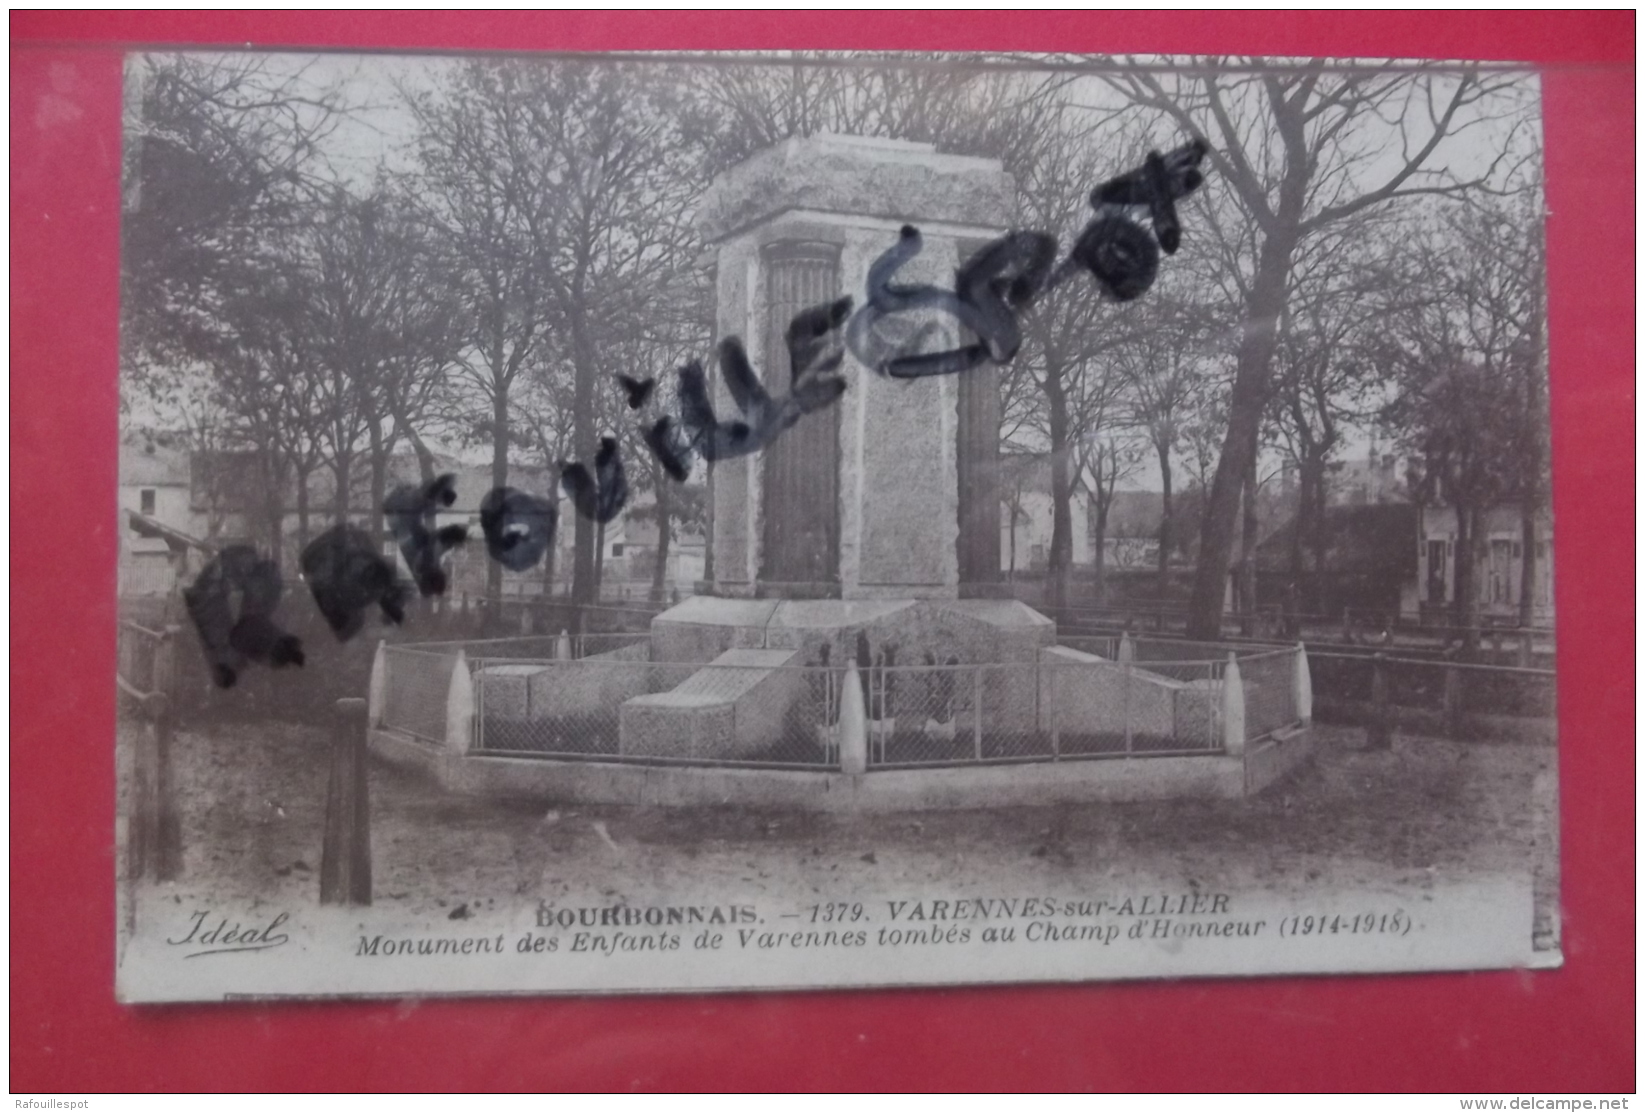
{"x": 252, "y": 798}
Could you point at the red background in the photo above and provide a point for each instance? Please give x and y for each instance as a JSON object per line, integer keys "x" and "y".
{"x": 1515, "y": 1031}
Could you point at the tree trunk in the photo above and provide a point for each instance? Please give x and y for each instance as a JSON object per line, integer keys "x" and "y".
{"x": 1463, "y": 607}
{"x": 339, "y": 497}
{"x": 277, "y": 539}
{"x": 1015, "y": 508}
{"x": 1099, "y": 556}
{"x": 1248, "y": 554}
{"x": 302, "y": 509}
{"x": 1256, "y": 355}
{"x": 1527, "y": 568}
{"x": 599, "y": 563}
{"x": 274, "y": 509}
{"x": 1166, "y": 530}
{"x": 1320, "y": 537}
{"x": 587, "y": 552}
{"x": 379, "y": 485}
{"x": 1295, "y": 596}
{"x": 708, "y": 529}
{"x": 425, "y": 458}
{"x": 1062, "y": 524}
{"x": 548, "y": 568}
{"x": 659, "y": 575}
{"x": 1530, "y": 499}
{"x": 499, "y": 473}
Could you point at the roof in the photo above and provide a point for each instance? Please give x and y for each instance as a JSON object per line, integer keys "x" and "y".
{"x": 1377, "y": 538}
{"x": 173, "y": 538}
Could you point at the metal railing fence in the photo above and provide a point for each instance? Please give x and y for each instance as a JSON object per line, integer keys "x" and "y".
{"x": 589, "y": 707}
{"x": 1447, "y": 690}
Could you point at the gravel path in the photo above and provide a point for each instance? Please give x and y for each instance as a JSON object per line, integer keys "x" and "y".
{"x": 1428, "y": 810}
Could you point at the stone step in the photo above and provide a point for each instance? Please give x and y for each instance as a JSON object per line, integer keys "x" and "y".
{"x": 737, "y": 705}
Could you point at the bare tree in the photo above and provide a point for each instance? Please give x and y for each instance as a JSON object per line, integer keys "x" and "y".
{"x": 604, "y": 144}
{"x": 222, "y": 165}
{"x": 491, "y": 212}
{"x": 1326, "y": 371}
{"x": 1302, "y": 148}
{"x": 219, "y": 151}
{"x": 1471, "y": 389}
{"x": 1102, "y": 464}
{"x": 1163, "y": 365}
{"x": 384, "y": 335}
{"x": 744, "y": 108}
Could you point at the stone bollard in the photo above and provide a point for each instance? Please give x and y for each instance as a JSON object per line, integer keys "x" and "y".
{"x": 1378, "y": 735}
{"x": 345, "y": 853}
{"x": 562, "y": 646}
{"x": 1127, "y": 649}
{"x": 377, "y": 686}
{"x": 853, "y": 726}
{"x": 1233, "y": 708}
{"x": 460, "y": 707}
{"x": 1302, "y": 686}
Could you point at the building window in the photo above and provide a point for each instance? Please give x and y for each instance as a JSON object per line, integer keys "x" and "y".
{"x": 145, "y": 499}
{"x": 616, "y": 548}
{"x": 1500, "y": 572}
{"x": 1436, "y": 572}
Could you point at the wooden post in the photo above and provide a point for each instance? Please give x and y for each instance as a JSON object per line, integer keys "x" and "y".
{"x": 141, "y": 822}
{"x": 168, "y": 826}
{"x": 345, "y": 855}
{"x": 1377, "y": 733}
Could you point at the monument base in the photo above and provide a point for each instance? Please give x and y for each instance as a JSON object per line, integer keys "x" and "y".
{"x": 826, "y": 631}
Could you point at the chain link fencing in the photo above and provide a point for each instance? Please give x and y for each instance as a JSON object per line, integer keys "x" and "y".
{"x": 1269, "y": 681}
{"x": 1444, "y": 698}
{"x": 600, "y": 697}
{"x": 415, "y": 689}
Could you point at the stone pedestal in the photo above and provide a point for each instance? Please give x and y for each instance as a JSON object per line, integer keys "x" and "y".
{"x": 862, "y": 501}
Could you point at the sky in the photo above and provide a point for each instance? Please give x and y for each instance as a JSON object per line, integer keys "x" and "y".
{"x": 378, "y": 130}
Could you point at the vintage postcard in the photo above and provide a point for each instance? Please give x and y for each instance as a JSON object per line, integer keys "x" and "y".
{"x": 678, "y": 523}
